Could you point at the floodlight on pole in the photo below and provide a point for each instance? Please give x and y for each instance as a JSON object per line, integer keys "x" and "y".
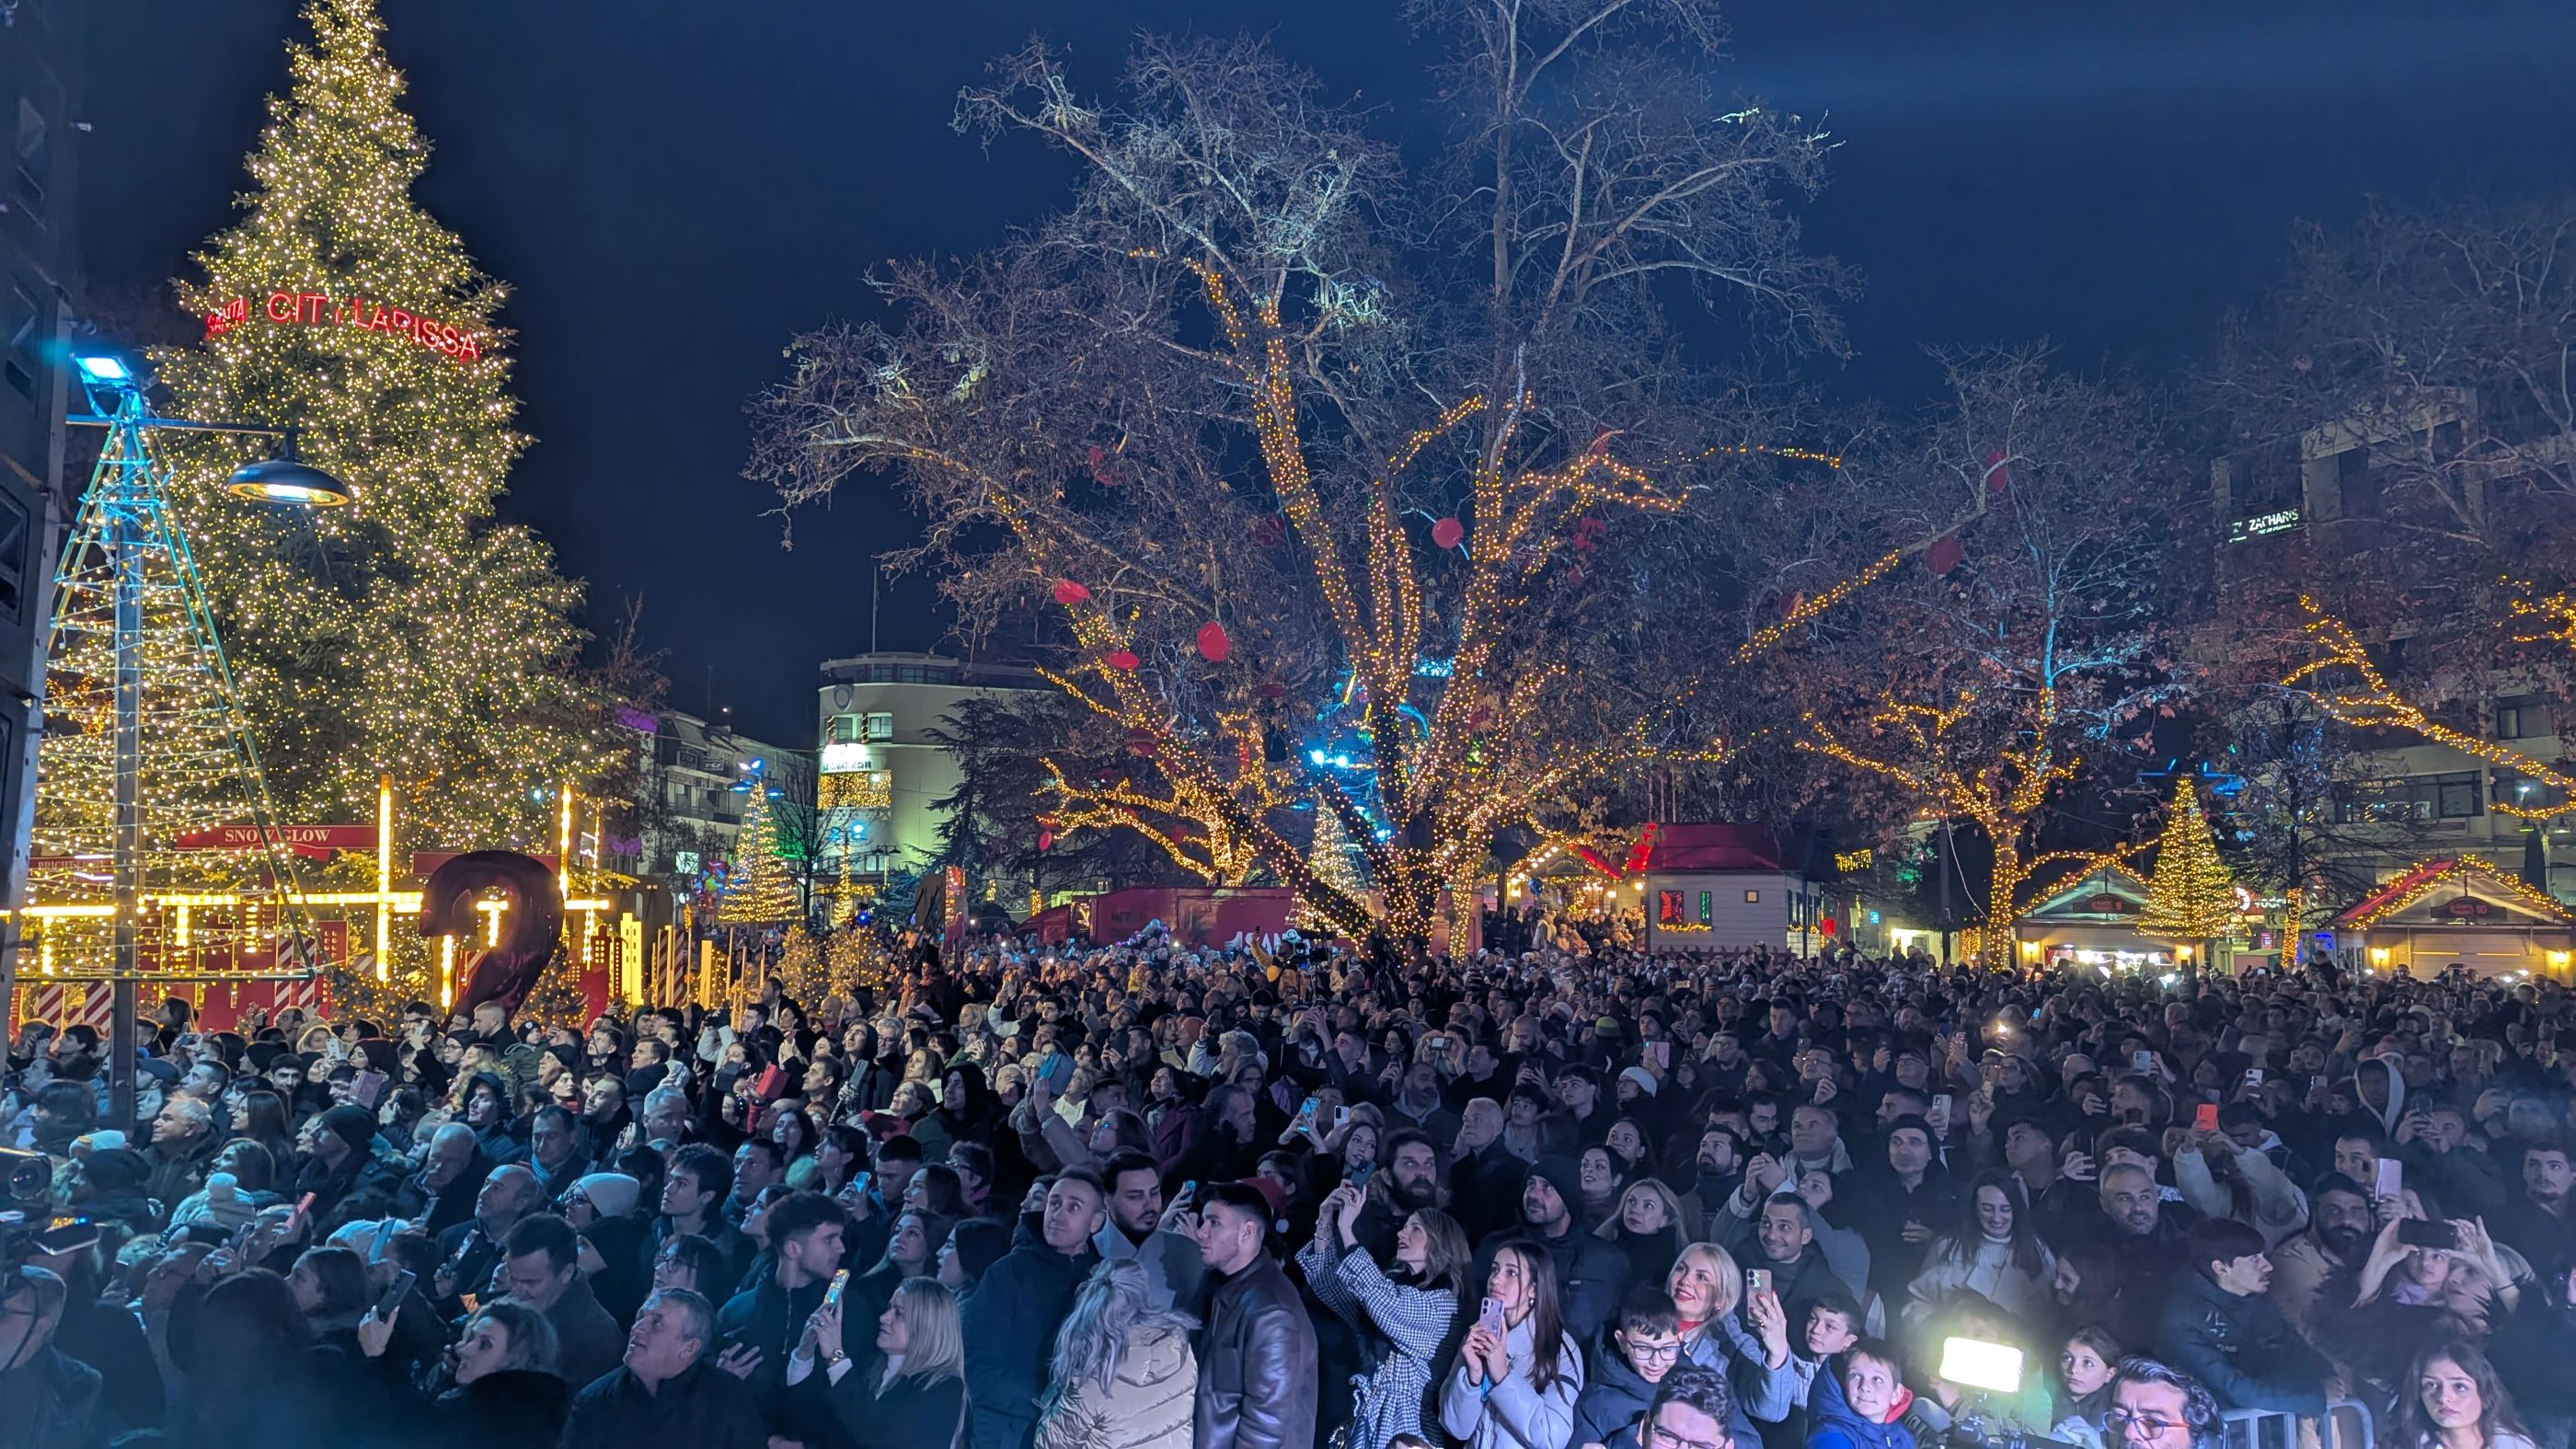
{"x": 127, "y": 491}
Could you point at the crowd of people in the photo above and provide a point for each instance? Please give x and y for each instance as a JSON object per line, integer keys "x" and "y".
{"x": 1028, "y": 1196}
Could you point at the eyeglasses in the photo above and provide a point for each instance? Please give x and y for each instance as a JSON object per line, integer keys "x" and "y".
{"x": 1652, "y": 1351}
{"x": 1662, "y": 1438}
{"x": 2147, "y": 1425}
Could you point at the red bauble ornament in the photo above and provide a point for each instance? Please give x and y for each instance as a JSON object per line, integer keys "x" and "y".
{"x": 1140, "y": 742}
{"x": 1069, "y": 593}
{"x": 1998, "y": 472}
{"x": 1124, "y": 661}
{"x": 1790, "y": 603}
{"x": 1213, "y": 645}
{"x": 1046, "y": 838}
{"x": 1448, "y": 533}
{"x": 1274, "y": 691}
{"x": 1574, "y": 578}
{"x": 1946, "y": 554}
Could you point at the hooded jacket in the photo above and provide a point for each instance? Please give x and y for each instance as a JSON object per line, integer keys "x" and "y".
{"x": 1150, "y": 1403}
{"x": 1009, "y": 1323}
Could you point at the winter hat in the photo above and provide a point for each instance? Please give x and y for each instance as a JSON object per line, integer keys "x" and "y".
{"x": 613, "y": 1193}
{"x": 352, "y": 1124}
{"x": 116, "y": 1169}
{"x": 1606, "y": 1026}
{"x": 1271, "y": 1193}
{"x": 1914, "y": 1120}
{"x": 1644, "y": 1079}
{"x": 1562, "y": 1174}
{"x": 264, "y": 1054}
{"x": 378, "y": 1054}
{"x": 981, "y": 1242}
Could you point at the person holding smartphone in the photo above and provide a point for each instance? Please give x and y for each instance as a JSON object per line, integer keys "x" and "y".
{"x": 1518, "y": 1373}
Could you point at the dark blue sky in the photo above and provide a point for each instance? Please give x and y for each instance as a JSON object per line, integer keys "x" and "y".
{"x": 675, "y": 189}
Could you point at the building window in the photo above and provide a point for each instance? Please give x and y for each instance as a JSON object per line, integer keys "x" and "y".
{"x": 2357, "y": 485}
{"x": 2512, "y": 789}
{"x": 847, "y": 729}
{"x": 22, "y": 323}
{"x": 1753, "y": 898}
{"x": 880, "y": 726}
{"x": 2456, "y": 796}
{"x": 34, "y": 163}
{"x": 2524, "y": 717}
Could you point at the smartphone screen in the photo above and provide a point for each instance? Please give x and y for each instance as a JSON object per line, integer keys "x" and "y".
{"x": 840, "y": 1283}
{"x": 395, "y": 1293}
{"x": 2392, "y": 1178}
{"x": 2144, "y": 1061}
{"x": 1306, "y": 1111}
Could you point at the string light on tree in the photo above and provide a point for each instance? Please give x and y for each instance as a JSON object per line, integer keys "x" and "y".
{"x": 410, "y": 633}
{"x": 2191, "y": 897}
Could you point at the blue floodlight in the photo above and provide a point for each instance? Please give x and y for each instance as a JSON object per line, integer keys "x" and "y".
{"x": 102, "y": 369}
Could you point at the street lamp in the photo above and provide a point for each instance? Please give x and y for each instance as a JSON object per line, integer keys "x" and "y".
{"x": 129, "y": 499}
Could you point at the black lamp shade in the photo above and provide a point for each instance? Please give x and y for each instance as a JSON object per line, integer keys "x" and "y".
{"x": 284, "y": 480}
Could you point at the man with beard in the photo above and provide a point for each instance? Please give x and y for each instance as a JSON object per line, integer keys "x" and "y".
{"x": 1135, "y": 1230}
{"x": 2147, "y": 1233}
{"x": 2336, "y": 1239}
{"x": 1806, "y": 1256}
{"x": 603, "y": 1117}
{"x": 1408, "y": 1182}
{"x": 1591, "y": 1273}
{"x": 1416, "y": 1103}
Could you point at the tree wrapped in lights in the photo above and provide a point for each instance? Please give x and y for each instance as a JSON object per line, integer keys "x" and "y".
{"x": 757, "y": 891}
{"x": 2349, "y": 685}
{"x": 409, "y": 632}
{"x": 2191, "y": 897}
{"x": 1328, "y": 855}
{"x": 858, "y": 957}
{"x": 1421, "y": 580}
{"x": 803, "y": 971}
{"x": 2029, "y": 637}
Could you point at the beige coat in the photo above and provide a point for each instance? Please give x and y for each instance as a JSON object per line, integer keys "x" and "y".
{"x": 1151, "y": 1406}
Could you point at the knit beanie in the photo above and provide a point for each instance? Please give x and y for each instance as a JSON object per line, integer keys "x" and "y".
{"x": 1565, "y": 1176}
{"x": 613, "y": 1193}
{"x": 353, "y": 1125}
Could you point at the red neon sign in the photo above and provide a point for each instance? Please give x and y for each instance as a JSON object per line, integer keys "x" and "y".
{"x": 317, "y": 309}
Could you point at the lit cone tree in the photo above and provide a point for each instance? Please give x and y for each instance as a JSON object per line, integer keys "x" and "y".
{"x": 409, "y": 632}
{"x": 858, "y": 957}
{"x": 802, "y": 971}
{"x": 1329, "y": 857}
{"x": 757, "y": 891}
{"x": 2191, "y": 897}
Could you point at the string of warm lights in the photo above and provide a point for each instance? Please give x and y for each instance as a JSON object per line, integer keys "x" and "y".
{"x": 2428, "y": 876}
{"x": 410, "y": 633}
{"x": 2001, "y": 795}
{"x": 1809, "y": 609}
{"x": 2191, "y": 897}
{"x": 2379, "y": 705}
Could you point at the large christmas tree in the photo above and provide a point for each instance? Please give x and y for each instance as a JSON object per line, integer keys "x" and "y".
{"x": 409, "y": 632}
{"x": 757, "y": 890}
{"x": 2191, "y": 897}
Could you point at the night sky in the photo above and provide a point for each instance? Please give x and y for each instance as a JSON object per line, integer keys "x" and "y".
{"x": 673, "y": 190}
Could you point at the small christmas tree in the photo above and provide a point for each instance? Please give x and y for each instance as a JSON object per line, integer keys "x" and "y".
{"x": 801, "y": 972}
{"x": 859, "y": 958}
{"x": 2192, "y": 897}
{"x": 1330, "y": 856}
{"x": 757, "y": 891}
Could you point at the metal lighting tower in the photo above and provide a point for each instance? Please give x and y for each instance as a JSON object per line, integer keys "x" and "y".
{"x": 125, "y": 523}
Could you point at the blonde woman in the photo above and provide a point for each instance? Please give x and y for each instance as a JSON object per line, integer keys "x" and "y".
{"x": 1647, "y": 1226}
{"x": 1123, "y": 1375}
{"x": 912, "y": 1395}
{"x": 1742, "y": 1335}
